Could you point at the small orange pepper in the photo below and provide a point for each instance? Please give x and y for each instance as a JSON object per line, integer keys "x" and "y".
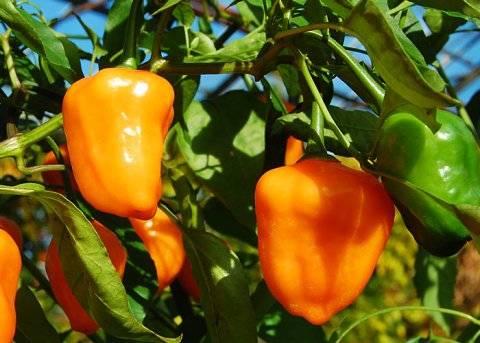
{"x": 115, "y": 123}
{"x": 163, "y": 241}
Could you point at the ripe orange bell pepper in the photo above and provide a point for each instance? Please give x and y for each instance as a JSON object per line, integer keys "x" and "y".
{"x": 163, "y": 241}
{"x": 79, "y": 319}
{"x": 10, "y": 266}
{"x": 321, "y": 229}
{"x": 115, "y": 124}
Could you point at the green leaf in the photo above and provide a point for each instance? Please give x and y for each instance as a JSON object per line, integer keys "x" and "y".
{"x": 43, "y": 40}
{"x": 435, "y": 283}
{"x": 223, "y": 143}
{"x": 139, "y": 278}
{"x": 222, "y": 220}
{"x": 340, "y": 7}
{"x": 174, "y": 44}
{"x": 441, "y": 26}
{"x": 262, "y": 301}
{"x": 168, "y": 4}
{"x": 200, "y": 43}
{"x": 279, "y": 326}
{"x": 289, "y": 75}
{"x": 184, "y": 13}
{"x": 32, "y": 325}
{"x": 224, "y": 289}
{"x": 295, "y": 124}
{"x": 404, "y": 72}
{"x": 251, "y": 11}
{"x": 469, "y": 8}
{"x": 87, "y": 267}
{"x": 186, "y": 198}
{"x": 358, "y": 125}
{"x": 115, "y": 29}
{"x": 98, "y": 49}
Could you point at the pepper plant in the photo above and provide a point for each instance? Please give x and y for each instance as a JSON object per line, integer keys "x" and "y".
{"x": 121, "y": 145}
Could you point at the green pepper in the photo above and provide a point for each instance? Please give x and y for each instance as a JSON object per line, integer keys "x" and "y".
{"x": 430, "y": 174}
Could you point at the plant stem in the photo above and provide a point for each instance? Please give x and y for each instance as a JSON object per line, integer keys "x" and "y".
{"x": 323, "y": 108}
{"x": 129, "y": 55}
{"x": 408, "y": 308}
{"x": 42, "y": 280}
{"x": 156, "y": 46}
{"x": 165, "y": 67}
{"x": 402, "y": 6}
{"x": 320, "y": 26}
{"x": 16, "y": 84}
{"x": 377, "y": 92}
{"x": 15, "y": 146}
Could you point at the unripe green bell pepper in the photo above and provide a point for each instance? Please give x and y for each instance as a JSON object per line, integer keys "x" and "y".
{"x": 431, "y": 173}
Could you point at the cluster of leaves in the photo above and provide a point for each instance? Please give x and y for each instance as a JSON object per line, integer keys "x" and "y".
{"x": 218, "y": 147}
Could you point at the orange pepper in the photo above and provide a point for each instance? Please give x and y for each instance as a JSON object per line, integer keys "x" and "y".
{"x": 163, "y": 240}
{"x": 54, "y": 178}
{"x": 294, "y": 150}
{"x": 79, "y": 319}
{"x": 321, "y": 229}
{"x": 13, "y": 230}
{"x": 115, "y": 124}
{"x": 10, "y": 266}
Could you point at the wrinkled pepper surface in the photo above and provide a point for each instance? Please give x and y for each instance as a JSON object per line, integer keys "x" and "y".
{"x": 10, "y": 267}
{"x": 115, "y": 124}
{"x": 79, "y": 319}
{"x": 321, "y": 229}
{"x": 163, "y": 241}
{"x": 443, "y": 165}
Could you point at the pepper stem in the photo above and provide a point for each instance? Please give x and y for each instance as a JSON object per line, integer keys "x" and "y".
{"x": 129, "y": 55}
{"x": 315, "y": 144}
{"x": 375, "y": 90}
{"x": 16, "y": 146}
{"x": 324, "y": 113}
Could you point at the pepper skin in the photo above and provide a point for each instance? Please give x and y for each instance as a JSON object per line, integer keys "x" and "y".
{"x": 444, "y": 164}
{"x": 163, "y": 241}
{"x": 321, "y": 229}
{"x": 79, "y": 319}
{"x": 13, "y": 230}
{"x": 294, "y": 150}
{"x": 11, "y": 265}
{"x": 54, "y": 178}
{"x": 115, "y": 123}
